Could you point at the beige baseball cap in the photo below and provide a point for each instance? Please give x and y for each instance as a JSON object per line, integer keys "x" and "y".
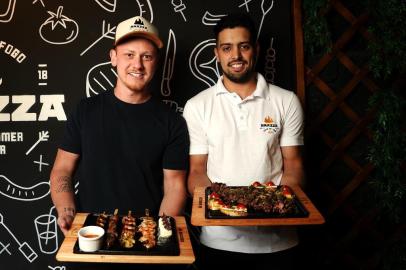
{"x": 137, "y": 27}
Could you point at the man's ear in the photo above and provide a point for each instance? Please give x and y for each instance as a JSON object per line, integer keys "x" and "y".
{"x": 113, "y": 57}
{"x": 216, "y": 54}
{"x": 257, "y": 49}
{"x": 256, "y": 52}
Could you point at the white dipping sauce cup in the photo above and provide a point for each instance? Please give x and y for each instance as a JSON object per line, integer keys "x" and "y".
{"x": 90, "y": 238}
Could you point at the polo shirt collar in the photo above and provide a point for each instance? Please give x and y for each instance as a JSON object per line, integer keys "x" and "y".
{"x": 260, "y": 91}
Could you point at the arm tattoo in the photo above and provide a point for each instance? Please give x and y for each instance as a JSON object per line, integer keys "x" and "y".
{"x": 64, "y": 184}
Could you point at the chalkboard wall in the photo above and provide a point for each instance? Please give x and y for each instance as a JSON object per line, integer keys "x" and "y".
{"x": 54, "y": 53}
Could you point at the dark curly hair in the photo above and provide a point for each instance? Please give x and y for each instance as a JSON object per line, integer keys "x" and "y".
{"x": 236, "y": 20}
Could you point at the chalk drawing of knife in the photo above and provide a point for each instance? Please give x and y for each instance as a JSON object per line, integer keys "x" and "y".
{"x": 169, "y": 64}
{"x": 24, "y": 248}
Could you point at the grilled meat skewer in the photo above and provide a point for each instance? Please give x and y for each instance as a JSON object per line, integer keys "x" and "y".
{"x": 127, "y": 238}
{"x": 112, "y": 230}
{"x": 101, "y": 220}
{"x": 147, "y": 228}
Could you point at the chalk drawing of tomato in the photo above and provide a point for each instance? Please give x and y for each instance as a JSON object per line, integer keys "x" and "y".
{"x": 58, "y": 29}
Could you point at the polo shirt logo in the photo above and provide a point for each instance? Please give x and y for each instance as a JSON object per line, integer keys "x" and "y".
{"x": 269, "y": 126}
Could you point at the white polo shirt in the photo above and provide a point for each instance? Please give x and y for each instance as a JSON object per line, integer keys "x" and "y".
{"x": 242, "y": 139}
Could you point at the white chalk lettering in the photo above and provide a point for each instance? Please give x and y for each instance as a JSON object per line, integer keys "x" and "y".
{"x": 51, "y": 107}
{"x": 21, "y": 112}
{"x": 4, "y": 100}
{"x": 2, "y": 149}
{"x": 11, "y": 137}
{"x": 12, "y": 51}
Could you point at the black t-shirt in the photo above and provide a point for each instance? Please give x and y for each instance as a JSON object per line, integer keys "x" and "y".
{"x": 123, "y": 150}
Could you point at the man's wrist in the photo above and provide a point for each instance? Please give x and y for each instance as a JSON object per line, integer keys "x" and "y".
{"x": 67, "y": 211}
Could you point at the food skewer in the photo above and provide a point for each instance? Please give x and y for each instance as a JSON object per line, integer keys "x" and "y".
{"x": 101, "y": 220}
{"x": 127, "y": 238}
{"x": 112, "y": 230}
{"x": 147, "y": 228}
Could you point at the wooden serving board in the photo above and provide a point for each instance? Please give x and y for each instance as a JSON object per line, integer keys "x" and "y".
{"x": 199, "y": 219}
{"x": 65, "y": 252}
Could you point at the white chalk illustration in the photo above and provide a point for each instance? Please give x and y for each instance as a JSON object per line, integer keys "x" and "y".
{"x": 20, "y": 193}
{"x": 58, "y": 29}
{"x": 24, "y": 247}
{"x": 246, "y": 2}
{"x": 210, "y": 19}
{"x": 179, "y": 6}
{"x": 270, "y": 63}
{"x": 1, "y": 81}
{"x": 39, "y": 1}
{"x": 146, "y": 12}
{"x": 4, "y": 248}
{"x": 76, "y": 187}
{"x": 266, "y": 6}
{"x": 40, "y": 163}
{"x": 107, "y": 32}
{"x": 168, "y": 64}
{"x": 57, "y": 267}
{"x": 43, "y": 136}
{"x": 107, "y": 5}
{"x": 7, "y": 15}
{"x": 47, "y": 234}
{"x": 208, "y": 71}
{"x": 173, "y": 105}
{"x": 100, "y": 78}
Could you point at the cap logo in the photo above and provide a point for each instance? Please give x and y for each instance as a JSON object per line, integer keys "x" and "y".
{"x": 138, "y": 23}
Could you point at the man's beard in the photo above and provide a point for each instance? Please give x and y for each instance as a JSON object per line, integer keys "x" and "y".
{"x": 240, "y": 78}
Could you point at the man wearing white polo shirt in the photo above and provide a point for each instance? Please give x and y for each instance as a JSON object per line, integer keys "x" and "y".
{"x": 244, "y": 130}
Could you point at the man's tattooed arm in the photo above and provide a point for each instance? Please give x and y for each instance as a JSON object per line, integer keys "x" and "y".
{"x": 64, "y": 184}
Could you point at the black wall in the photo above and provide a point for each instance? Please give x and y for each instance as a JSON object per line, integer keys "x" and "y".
{"x": 45, "y": 69}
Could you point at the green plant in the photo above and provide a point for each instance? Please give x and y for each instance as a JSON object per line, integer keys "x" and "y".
{"x": 388, "y": 152}
{"x": 316, "y": 33}
{"x": 388, "y": 27}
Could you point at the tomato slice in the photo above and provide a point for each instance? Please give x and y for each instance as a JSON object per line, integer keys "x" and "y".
{"x": 270, "y": 184}
{"x": 214, "y": 195}
{"x": 256, "y": 184}
{"x": 241, "y": 206}
{"x": 287, "y": 191}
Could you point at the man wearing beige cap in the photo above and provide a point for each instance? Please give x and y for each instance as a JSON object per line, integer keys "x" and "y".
{"x": 132, "y": 149}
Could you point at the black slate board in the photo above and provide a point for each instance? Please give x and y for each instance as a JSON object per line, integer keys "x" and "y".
{"x": 216, "y": 214}
{"x": 164, "y": 247}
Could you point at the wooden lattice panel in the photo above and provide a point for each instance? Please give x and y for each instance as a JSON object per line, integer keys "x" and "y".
{"x": 346, "y": 227}
{"x": 337, "y": 101}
